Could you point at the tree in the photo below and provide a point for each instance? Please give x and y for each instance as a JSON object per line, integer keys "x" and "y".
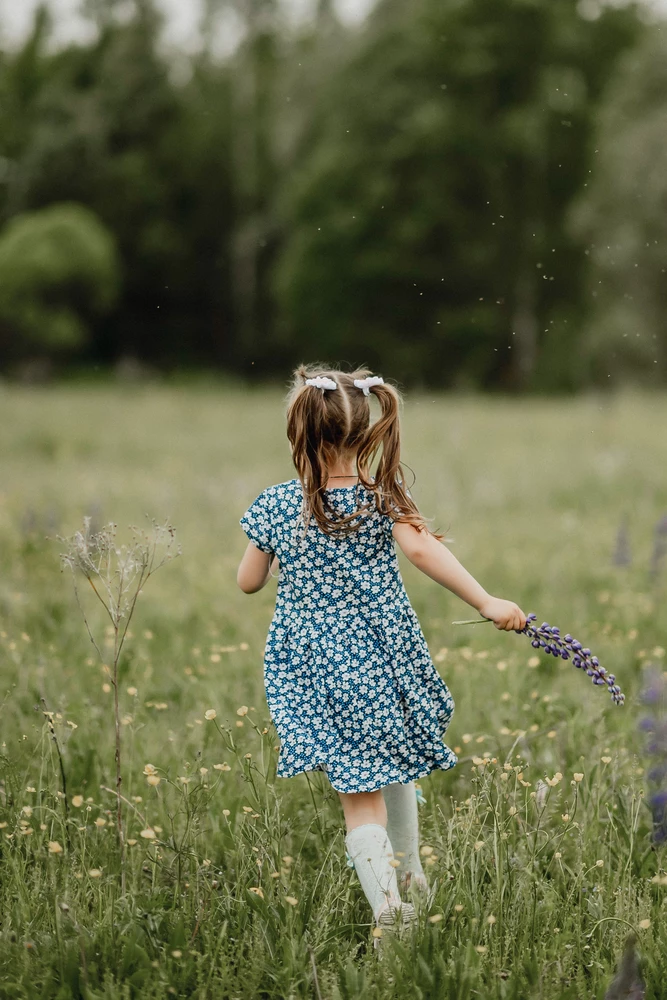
{"x": 622, "y": 215}
{"x": 58, "y": 270}
{"x": 424, "y": 213}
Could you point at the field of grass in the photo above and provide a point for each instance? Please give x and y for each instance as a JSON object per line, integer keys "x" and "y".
{"x": 243, "y": 890}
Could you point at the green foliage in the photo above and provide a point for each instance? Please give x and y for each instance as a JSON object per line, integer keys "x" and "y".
{"x": 396, "y": 193}
{"x": 57, "y": 267}
{"x": 424, "y": 213}
{"x": 623, "y": 217}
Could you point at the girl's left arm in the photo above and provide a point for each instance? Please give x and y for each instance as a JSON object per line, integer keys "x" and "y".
{"x": 435, "y": 560}
{"x": 255, "y": 569}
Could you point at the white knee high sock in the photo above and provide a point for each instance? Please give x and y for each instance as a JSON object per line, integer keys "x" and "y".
{"x": 403, "y": 827}
{"x": 371, "y": 850}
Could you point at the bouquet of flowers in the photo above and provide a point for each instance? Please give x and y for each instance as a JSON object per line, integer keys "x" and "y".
{"x": 548, "y": 638}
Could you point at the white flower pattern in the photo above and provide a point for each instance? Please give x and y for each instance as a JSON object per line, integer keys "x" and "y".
{"x": 350, "y": 684}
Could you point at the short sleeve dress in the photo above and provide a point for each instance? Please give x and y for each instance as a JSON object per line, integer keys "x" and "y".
{"x": 350, "y": 684}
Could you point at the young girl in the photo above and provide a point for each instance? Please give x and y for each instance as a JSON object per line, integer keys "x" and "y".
{"x": 350, "y": 684}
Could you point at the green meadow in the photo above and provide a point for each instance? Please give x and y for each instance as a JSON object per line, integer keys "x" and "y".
{"x": 235, "y": 882}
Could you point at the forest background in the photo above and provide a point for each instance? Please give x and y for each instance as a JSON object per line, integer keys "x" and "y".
{"x": 469, "y": 193}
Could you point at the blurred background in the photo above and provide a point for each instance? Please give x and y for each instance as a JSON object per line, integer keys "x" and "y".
{"x": 466, "y": 194}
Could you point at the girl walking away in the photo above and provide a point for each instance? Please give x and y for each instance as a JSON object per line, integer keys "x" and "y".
{"x": 349, "y": 680}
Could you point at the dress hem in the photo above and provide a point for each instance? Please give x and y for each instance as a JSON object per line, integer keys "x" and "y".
{"x": 421, "y": 772}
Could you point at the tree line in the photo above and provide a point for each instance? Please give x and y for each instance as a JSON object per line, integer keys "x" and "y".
{"x": 468, "y": 193}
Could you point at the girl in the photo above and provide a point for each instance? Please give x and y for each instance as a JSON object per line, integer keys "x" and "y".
{"x": 350, "y": 684}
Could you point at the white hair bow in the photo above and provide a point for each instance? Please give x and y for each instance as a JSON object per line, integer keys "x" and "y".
{"x": 322, "y": 382}
{"x": 366, "y": 383}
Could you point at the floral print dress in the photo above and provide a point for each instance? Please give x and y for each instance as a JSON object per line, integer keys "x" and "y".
{"x": 349, "y": 680}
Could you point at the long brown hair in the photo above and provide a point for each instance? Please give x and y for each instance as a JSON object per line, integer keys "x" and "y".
{"x": 323, "y": 424}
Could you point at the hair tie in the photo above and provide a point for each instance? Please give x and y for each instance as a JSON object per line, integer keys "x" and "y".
{"x": 365, "y": 383}
{"x": 322, "y": 382}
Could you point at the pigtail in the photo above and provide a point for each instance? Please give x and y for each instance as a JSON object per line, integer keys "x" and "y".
{"x": 384, "y": 437}
{"x": 304, "y": 426}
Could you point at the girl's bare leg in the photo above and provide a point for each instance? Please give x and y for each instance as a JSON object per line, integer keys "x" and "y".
{"x": 363, "y": 807}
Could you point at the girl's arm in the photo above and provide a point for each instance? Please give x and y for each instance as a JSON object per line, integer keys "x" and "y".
{"x": 430, "y": 556}
{"x": 254, "y": 571}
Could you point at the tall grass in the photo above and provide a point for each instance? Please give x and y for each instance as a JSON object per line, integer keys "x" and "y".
{"x": 236, "y": 883}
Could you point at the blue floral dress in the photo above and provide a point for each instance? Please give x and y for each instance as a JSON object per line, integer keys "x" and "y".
{"x": 349, "y": 680}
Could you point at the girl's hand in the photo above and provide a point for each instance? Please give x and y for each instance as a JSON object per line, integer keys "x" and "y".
{"x": 504, "y": 614}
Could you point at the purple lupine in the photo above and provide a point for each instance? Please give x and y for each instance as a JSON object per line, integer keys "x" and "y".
{"x": 654, "y": 694}
{"x": 659, "y": 547}
{"x": 622, "y": 555}
{"x": 548, "y": 638}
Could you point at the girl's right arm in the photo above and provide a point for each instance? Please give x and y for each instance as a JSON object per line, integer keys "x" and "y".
{"x": 435, "y": 560}
{"x": 255, "y": 569}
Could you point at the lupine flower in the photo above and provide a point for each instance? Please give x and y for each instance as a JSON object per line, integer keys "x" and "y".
{"x": 622, "y": 555}
{"x": 548, "y": 638}
{"x": 628, "y": 983}
{"x": 659, "y": 547}
{"x": 654, "y": 694}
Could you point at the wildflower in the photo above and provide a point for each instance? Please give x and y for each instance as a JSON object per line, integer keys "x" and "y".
{"x": 578, "y": 776}
{"x": 176, "y": 953}
{"x": 645, "y": 924}
{"x": 291, "y": 900}
{"x": 435, "y": 918}
{"x": 459, "y": 907}
{"x": 100, "y": 821}
{"x": 606, "y": 760}
{"x": 548, "y": 638}
{"x": 599, "y": 863}
{"x": 131, "y": 842}
{"x": 481, "y": 948}
{"x": 491, "y": 920}
{"x": 479, "y": 844}
{"x": 55, "y": 847}
{"x": 466, "y": 737}
{"x": 221, "y": 767}
{"x": 210, "y": 714}
{"x": 132, "y": 691}
{"x": 148, "y": 833}
{"x": 557, "y": 778}
{"x": 258, "y": 892}
{"x": 225, "y": 812}
{"x": 95, "y": 872}
{"x": 153, "y": 779}
{"x": 426, "y": 851}
{"x": 243, "y": 710}
{"x": 27, "y": 810}
{"x": 654, "y": 694}
{"x": 377, "y": 932}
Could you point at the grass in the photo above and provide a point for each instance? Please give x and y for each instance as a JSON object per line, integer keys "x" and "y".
{"x": 243, "y": 890}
